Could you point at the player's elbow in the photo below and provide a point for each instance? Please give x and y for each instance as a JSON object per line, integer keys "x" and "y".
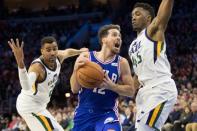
{"x": 74, "y": 91}
{"x": 74, "y": 87}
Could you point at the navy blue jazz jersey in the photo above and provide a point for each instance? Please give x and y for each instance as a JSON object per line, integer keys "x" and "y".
{"x": 98, "y": 104}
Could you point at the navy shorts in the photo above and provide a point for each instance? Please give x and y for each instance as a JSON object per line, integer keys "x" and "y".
{"x": 91, "y": 120}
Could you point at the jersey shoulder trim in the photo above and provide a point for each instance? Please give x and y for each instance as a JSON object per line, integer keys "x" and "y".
{"x": 102, "y": 62}
{"x": 146, "y": 34}
{"x": 158, "y": 46}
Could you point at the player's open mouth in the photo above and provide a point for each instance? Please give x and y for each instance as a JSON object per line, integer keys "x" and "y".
{"x": 52, "y": 59}
{"x": 117, "y": 45}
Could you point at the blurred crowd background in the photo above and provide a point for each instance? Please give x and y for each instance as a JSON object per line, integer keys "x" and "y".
{"x": 74, "y": 23}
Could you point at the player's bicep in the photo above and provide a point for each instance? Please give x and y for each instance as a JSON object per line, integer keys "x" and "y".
{"x": 63, "y": 54}
{"x": 154, "y": 32}
{"x": 38, "y": 71}
{"x": 160, "y": 22}
{"x": 27, "y": 79}
{"x": 34, "y": 68}
{"x": 164, "y": 13}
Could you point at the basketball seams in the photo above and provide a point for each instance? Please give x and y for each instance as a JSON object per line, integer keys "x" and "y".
{"x": 91, "y": 66}
{"x": 88, "y": 76}
{"x": 96, "y": 68}
{"x": 84, "y": 81}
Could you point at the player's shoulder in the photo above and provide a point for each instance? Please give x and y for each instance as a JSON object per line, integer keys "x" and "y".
{"x": 37, "y": 66}
{"x": 122, "y": 58}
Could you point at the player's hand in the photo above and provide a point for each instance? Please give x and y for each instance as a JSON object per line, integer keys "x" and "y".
{"x": 17, "y": 49}
{"x": 80, "y": 61}
{"x": 84, "y": 49}
{"x": 107, "y": 83}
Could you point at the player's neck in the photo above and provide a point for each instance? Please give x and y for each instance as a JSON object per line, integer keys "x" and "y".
{"x": 139, "y": 31}
{"x": 105, "y": 55}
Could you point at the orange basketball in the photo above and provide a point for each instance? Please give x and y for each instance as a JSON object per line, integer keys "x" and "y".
{"x": 90, "y": 75}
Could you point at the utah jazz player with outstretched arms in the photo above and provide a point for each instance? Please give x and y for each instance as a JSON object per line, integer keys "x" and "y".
{"x": 158, "y": 94}
{"x": 39, "y": 82}
{"x": 97, "y": 108}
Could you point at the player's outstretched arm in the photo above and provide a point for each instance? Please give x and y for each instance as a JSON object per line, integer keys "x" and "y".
{"x": 63, "y": 54}
{"x": 80, "y": 61}
{"x": 26, "y": 80}
{"x": 127, "y": 86}
{"x": 17, "y": 49}
{"x": 160, "y": 22}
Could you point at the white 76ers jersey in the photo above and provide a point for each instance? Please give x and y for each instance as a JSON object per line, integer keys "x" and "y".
{"x": 149, "y": 60}
{"x": 39, "y": 94}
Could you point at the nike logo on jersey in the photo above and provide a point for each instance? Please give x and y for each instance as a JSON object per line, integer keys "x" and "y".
{"x": 109, "y": 120}
{"x": 114, "y": 64}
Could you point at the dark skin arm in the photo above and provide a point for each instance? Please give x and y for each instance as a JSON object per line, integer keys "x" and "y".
{"x": 158, "y": 26}
{"x": 63, "y": 54}
{"x": 136, "y": 82}
{"x": 39, "y": 70}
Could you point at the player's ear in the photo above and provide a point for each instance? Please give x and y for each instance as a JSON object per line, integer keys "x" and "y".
{"x": 41, "y": 50}
{"x": 103, "y": 40}
{"x": 149, "y": 18}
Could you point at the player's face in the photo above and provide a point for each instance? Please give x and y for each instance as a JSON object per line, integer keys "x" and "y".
{"x": 49, "y": 52}
{"x": 139, "y": 18}
{"x": 113, "y": 40}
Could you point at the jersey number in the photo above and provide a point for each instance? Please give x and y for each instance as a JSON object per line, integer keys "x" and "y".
{"x": 99, "y": 91}
{"x": 137, "y": 60}
{"x": 50, "y": 92}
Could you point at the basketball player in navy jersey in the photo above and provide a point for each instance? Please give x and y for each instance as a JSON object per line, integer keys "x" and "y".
{"x": 38, "y": 83}
{"x": 158, "y": 94}
{"x": 97, "y": 108}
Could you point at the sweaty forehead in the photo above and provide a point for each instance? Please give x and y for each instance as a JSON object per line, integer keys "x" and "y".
{"x": 50, "y": 45}
{"x": 139, "y": 9}
{"x": 114, "y": 31}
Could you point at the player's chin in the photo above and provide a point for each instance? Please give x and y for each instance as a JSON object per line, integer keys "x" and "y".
{"x": 52, "y": 60}
{"x": 116, "y": 50}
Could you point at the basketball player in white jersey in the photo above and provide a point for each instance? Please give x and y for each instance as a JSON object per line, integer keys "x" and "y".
{"x": 38, "y": 83}
{"x": 158, "y": 93}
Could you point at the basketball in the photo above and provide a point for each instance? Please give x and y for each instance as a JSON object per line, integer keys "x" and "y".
{"x": 90, "y": 75}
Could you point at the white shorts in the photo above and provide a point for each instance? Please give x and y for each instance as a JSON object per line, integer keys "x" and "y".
{"x": 155, "y": 119}
{"x": 154, "y": 105}
{"x": 42, "y": 121}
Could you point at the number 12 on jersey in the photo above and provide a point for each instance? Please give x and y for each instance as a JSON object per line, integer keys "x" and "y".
{"x": 99, "y": 91}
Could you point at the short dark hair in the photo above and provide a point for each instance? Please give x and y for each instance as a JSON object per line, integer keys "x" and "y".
{"x": 147, "y": 7}
{"x": 103, "y": 31}
{"x": 47, "y": 39}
